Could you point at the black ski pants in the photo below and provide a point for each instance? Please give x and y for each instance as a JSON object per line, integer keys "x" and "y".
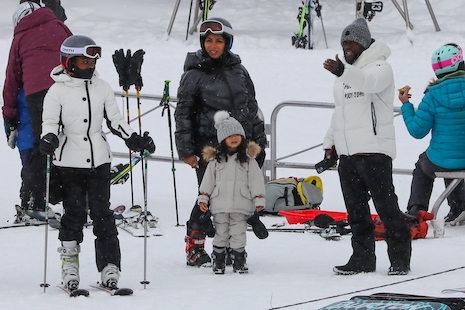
{"x": 89, "y": 189}
{"x": 33, "y": 187}
{"x": 362, "y": 177}
{"x": 423, "y": 181}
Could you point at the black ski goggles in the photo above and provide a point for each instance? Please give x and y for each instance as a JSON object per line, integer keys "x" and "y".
{"x": 90, "y": 51}
{"x": 214, "y": 27}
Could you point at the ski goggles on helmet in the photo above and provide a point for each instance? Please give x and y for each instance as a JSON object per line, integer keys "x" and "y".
{"x": 214, "y": 27}
{"x": 438, "y": 64}
{"x": 90, "y": 51}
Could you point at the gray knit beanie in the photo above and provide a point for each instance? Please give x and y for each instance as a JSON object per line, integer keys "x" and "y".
{"x": 357, "y": 32}
{"x": 227, "y": 126}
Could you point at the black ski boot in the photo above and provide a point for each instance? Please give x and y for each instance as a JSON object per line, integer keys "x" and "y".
{"x": 195, "y": 251}
{"x": 239, "y": 261}
{"x": 219, "y": 256}
{"x": 228, "y": 257}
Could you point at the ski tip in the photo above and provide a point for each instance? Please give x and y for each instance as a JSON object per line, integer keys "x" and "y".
{"x": 124, "y": 291}
{"x": 79, "y": 292}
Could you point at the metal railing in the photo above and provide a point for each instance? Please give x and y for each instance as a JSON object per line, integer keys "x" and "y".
{"x": 271, "y": 129}
{"x": 275, "y": 162}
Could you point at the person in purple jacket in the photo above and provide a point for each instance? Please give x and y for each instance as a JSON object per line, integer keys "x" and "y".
{"x": 34, "y": 52}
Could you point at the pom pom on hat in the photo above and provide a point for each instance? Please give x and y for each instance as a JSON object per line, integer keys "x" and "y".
{"x": 226, "y": 126}
{"x": 357, "y": 32}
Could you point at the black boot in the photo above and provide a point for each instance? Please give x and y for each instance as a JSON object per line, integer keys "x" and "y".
{"x": 219, "y": 257}
{"x": 355, "y": 266}
{"x": 195, "y": 251}
{"x": 239, "y": 261}
{"x": 413, "y": 210}
{"x": 228, "y": 256}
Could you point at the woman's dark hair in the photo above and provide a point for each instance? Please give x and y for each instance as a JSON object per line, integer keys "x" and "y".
{"x": 241, "y": 151}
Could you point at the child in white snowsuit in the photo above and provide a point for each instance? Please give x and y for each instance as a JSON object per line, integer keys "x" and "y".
{"x": 232, "y": 189}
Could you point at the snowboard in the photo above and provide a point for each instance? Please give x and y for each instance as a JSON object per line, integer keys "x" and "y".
{"x": 360, "y": 304}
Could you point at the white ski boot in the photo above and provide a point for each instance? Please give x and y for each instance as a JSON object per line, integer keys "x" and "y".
{"x": 110, "y": 276}
{"x": 69, "y": 254}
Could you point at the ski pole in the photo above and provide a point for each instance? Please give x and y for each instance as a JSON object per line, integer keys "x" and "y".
{"x": 130, "y": 154}
{"x": 318, "y": 8}
{"x": 144, "y": 186}
{"x": 189, "y": 20}
{"x": 144, "y": 154}
{"x": 165, "y": 102}
{"x": 47, "y": 199}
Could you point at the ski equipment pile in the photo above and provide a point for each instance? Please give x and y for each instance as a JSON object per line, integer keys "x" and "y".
{"x": 133, "y": 222}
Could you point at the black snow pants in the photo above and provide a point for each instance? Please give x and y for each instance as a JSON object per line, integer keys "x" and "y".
{"x": 362, "y": 177}
{"x": 422, "y": 185}
{"x": 33, "y": 188}
{"x": 90, "y": 189}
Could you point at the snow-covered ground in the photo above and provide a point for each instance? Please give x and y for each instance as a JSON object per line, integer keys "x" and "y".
{"x": 287, "y": 268}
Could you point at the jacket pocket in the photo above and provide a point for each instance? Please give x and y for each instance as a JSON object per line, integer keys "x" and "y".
{"x": 246, "y": 192}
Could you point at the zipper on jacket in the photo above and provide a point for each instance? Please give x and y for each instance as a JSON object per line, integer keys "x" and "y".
{"x": 373, "y": 117}
{"x": 88, "y": 127}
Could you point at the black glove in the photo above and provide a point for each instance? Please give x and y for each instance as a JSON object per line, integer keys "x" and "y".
{"x": 48, "y": 144}
{"x": 258, "y": 227}
{"x": 340, "y": 69}
{"x": 135, "y": 65}
{"x": 122, "y": 67}
{"x": 140, "y": 143}
{"x": 207, "y": 224}
{"x": 11, "y": 131}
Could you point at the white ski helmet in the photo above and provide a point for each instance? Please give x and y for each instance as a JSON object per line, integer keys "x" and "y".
{"x": 23, "y": 10}
{"x": 78, "y": 45}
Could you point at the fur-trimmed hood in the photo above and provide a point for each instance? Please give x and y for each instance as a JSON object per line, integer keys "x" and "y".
{"x": 209, "y": 152}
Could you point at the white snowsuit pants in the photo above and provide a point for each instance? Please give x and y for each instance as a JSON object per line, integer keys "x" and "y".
{"x": 230, "y": 230}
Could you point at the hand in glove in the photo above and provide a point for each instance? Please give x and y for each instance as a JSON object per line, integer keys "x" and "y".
{"x": 48, "y": 144}
{"x": 122, "y": 67}
{"x": 134, "y": 69}
{"x": 139, "y": 143}
{"x": 11, "y": 130}
{"x": 336, "y": 67}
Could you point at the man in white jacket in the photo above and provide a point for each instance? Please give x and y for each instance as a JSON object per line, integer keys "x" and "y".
{"x": 362, "y": 135}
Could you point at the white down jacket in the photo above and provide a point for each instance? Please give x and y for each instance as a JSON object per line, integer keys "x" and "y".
{"x": 363, "y": 117}
{"x": 230, "y": 186}
{"x": 80, "y": 107}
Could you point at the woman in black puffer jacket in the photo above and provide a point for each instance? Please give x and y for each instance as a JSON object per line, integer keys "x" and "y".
{"x": 214, "y": 79}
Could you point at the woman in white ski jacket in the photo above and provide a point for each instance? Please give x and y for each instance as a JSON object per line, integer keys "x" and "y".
{"x": 74, "y": 109}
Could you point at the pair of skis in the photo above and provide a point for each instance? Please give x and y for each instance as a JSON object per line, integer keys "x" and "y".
{"x": 306, "y": 17}
{"x": 83, "y": 292}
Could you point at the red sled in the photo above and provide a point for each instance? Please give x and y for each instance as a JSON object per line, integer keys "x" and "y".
{"x": 303, "y": 216}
